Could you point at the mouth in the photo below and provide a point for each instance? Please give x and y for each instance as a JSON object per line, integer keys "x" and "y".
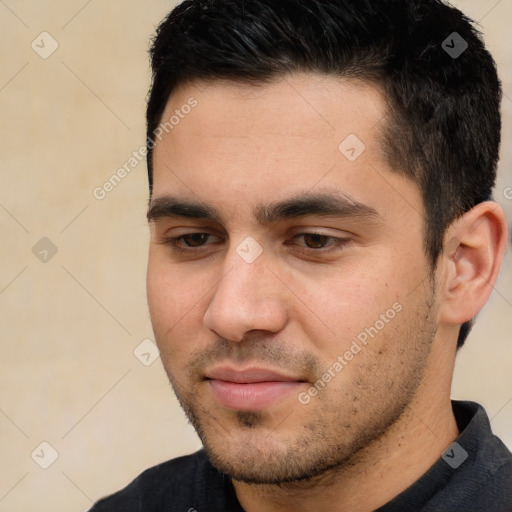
{"x": 250, "y": 389}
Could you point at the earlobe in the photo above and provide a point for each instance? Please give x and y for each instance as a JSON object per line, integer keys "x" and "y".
{"x": 473, "y": 252}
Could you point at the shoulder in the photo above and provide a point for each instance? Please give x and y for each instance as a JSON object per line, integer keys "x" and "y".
{"x": 484, "y": 475}
{"x": 171, "y": 485}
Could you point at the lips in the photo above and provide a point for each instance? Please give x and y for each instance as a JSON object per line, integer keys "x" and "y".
{"x": 250, "y": 389}
{"x": 248, "y": 375}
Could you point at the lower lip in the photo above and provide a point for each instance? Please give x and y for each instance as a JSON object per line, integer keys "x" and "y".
{"x": 252, "y": 396}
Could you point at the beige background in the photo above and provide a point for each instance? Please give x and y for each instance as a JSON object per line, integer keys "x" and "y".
{"x": 68, "y": 374}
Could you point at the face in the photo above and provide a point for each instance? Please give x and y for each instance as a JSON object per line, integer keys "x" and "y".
{"x": 287, "y": 280}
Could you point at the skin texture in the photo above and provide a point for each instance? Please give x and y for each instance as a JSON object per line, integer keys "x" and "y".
{"x": 379, "y": 423}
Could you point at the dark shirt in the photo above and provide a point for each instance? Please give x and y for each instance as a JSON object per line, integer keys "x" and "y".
{"x": 473, "y": 475}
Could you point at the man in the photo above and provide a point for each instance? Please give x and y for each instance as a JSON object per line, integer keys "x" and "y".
{"x": 322, "y": 237}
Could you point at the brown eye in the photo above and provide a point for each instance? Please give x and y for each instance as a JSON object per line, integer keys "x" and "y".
{"x": 195, "y": 239}
{"x": 192, "y": 244}
{"x": 316, "y": 241}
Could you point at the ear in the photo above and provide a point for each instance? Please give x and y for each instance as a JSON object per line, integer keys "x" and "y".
{"x": 474, "y": 246}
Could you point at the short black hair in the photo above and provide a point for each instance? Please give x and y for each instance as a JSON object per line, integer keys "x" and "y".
{"x": 444, "y": 126}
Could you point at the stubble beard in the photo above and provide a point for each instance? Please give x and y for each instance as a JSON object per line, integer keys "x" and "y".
{"x": 257, "y": 448}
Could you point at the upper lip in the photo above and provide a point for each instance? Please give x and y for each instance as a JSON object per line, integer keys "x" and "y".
{"x": 248, "y": 375}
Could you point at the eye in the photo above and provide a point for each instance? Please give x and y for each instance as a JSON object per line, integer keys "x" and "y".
{"x": 195, "y": 239}
{"x": 316, "y": 240}
{"x": 190, "y": 241}
{"x": 318, "y": 243}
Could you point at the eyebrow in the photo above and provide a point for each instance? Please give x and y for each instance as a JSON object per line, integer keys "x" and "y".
{"x": 173, "y": 207}
{"x": 308, "y": 204}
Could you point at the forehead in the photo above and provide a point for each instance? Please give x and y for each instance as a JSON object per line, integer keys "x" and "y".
{"x": 298, "y": 104}
{"x": 244, "y": 144}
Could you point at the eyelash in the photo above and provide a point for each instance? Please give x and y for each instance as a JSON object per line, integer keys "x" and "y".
{"x": 338, "y": 243}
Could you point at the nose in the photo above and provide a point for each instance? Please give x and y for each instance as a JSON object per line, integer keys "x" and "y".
{"x": 249, "y": 297}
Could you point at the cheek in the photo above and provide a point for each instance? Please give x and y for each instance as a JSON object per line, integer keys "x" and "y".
{"x": 336, "y": 307}
{"x": 172, "y": 289}
{"x": 176, "y": 303}
{"x": 346, "y": 297}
